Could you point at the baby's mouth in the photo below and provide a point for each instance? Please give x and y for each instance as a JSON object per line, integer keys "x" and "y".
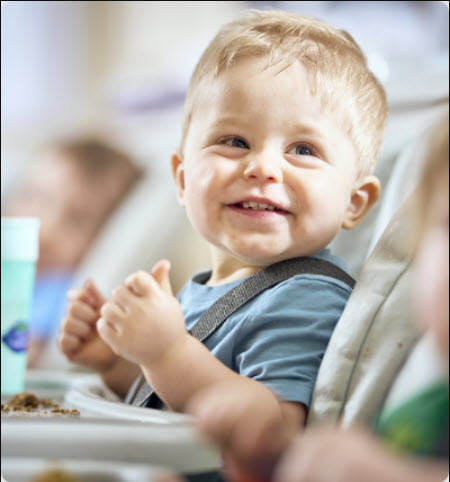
{"x": 257, "y": 206}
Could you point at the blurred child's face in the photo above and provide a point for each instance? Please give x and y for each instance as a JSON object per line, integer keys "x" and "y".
{"x": 71, "y": 210}
{"x": 432, "y": 269}
{"x": 267, "y": 173}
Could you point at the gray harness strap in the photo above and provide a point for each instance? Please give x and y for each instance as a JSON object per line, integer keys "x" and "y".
{"x": 141, "y": 394}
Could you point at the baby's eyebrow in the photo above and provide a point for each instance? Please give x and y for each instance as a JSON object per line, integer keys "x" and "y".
{"x": 307, "y": 129}
{"x": 228, "y": 120}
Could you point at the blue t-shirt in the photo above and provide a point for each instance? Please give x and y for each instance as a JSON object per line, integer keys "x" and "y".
{"x": 279, "y": 337}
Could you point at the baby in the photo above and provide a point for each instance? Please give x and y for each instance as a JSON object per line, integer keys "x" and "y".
{"x": 283, "y": 122}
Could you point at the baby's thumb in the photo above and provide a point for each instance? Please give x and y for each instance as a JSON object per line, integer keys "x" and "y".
{"x": 161, "y": 274}
{"x": 96, "y": 299}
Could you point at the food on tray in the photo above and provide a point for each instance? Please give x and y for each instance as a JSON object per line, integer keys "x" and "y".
{"x": 55, "y": 475}
{"x": 28, "y": 403}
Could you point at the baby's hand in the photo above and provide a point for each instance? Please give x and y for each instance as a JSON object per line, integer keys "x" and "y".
{"x": 79, "y": 340}
{"x": 143, "y": 322}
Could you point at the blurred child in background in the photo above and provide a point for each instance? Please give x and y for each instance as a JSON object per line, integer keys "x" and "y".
{"x": 247, "y": 429}
{"x": 73, "y": 188}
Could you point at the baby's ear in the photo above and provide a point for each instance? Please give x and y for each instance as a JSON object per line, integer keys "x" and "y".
{"x": 363, "y": 198}
{"x": 178, "y": 175}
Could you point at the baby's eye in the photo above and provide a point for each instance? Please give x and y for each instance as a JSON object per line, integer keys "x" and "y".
{"x": 235, "y": 142}
{"x": 301, "y": 150}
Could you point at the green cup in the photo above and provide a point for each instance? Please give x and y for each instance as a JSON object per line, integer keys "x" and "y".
{"x": 19, "y": 252}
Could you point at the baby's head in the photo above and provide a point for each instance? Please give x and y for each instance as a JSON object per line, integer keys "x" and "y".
{"x": 283, "y": 123}
{"x": 73, "y": 188}
{"x": 432, "y": 263}
{"x": 335, "y": 65}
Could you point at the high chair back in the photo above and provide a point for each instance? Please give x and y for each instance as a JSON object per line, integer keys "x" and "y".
{"x": 375, "y": 334}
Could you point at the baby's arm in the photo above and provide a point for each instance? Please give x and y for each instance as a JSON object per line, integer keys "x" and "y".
{"x": 249, "y": 424}
{"x": 145, "y": 324}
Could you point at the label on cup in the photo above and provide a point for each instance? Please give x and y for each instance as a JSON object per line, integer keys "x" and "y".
{"x": 16, "y": 337}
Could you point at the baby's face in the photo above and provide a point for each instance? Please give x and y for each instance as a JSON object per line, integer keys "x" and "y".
{"x": 432, "y": 270}
{"x": 267, "y": 174}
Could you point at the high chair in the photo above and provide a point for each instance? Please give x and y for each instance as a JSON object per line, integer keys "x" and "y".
{"x": 377, "y": 354}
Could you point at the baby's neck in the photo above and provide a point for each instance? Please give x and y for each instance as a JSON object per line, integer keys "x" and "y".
{"x": 226, "y": 270}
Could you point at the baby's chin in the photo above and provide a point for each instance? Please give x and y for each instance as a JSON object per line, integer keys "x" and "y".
{"x": 262, "y": 259}
{"x": 261, "y": 250}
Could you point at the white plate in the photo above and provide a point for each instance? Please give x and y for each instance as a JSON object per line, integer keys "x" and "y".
{"x": 92, "y": 399}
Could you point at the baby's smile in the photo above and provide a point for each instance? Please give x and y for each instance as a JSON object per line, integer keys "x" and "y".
{"x": 258, "y": 208}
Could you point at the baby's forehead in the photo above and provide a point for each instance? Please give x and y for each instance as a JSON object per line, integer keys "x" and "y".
{"x": 261, "y": 67}
{"x": 305, "y": 84}
{"x": 254, "y": 83}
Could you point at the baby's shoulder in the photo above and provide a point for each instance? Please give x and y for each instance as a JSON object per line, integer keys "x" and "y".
{"x": 306, "y": 292}
{"x": 310, "y": 284}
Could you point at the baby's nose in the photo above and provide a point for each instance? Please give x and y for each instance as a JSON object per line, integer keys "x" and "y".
{"x": 263, "y": 169}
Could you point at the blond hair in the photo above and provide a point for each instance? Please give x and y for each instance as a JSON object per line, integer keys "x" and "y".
{"x": 337, "y": 68}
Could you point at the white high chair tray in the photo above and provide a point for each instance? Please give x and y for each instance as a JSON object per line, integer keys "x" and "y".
{"x": 178, "y": 447}
{"x": 106, "y": 429}
{"x": 18, "y": 469}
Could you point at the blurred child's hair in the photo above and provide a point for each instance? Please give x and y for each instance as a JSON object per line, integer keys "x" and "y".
{"x": 96, "y": 158}
{"x": 336, "y": 66}
{"x": 97, "y": 161}
{"x": 435, "y": 172}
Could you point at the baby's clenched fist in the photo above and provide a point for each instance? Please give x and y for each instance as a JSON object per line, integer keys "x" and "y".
{"x": 143, "y": 322}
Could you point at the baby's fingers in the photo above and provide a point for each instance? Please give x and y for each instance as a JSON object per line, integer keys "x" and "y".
{"x": 108, "y": 332}
{"x": 122, "y": 297}
{"x": 141, "y": 283}
{"x": 96, "y": 299}
{"x": 77, "y": 328}
{"x": 88, "y": 294}
{"x": 82, "y": 311}
{"x": 113, "y": 315}
{"x": 75, "y": 294}
{"x": 69, "y": 343}
{"x": 160, "y": 273}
